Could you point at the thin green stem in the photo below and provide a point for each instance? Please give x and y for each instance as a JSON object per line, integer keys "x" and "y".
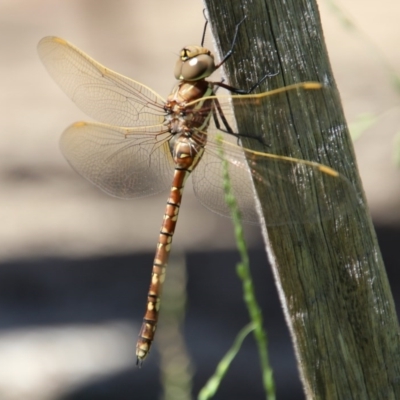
{"x": 243, "y": 270}
{"x": 211, "y": 387}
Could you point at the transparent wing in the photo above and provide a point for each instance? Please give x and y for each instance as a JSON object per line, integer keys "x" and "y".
{"x": 311, "y": 189}
{"x": 208, "y": 178}
{"x": 101, "y": 93}
{"x": 124, "y": 162}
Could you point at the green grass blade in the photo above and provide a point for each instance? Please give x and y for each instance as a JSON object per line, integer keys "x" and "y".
{"x": 211, "y": 387}
{"x": 243, "y": 270}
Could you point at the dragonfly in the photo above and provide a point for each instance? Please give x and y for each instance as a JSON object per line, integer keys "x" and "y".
{"x": 144, "y": 144}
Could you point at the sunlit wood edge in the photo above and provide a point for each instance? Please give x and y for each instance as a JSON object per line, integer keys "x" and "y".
{"x": 302, "y": 85}
{"x": 103, "y": 70}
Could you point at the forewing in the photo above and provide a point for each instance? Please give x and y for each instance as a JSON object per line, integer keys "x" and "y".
{"x": 101, "y": 93}
{"x": 123, "y": 162}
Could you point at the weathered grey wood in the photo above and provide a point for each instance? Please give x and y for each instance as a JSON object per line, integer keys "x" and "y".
{"x": 329, "y": 271}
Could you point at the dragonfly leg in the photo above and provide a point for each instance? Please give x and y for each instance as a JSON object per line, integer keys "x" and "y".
{"x": 243, "y": 91}
{"x": 230, "y": 51}
{"x": 217, "y": 111}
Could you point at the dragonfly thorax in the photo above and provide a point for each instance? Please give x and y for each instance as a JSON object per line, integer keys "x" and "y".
{"x": 194, "y": 63}
{"x": 185, "y": 92}
{"x": 182, "y": 118}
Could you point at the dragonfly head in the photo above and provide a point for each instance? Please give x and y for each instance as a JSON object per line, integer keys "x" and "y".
{"x": 194, "y": 63}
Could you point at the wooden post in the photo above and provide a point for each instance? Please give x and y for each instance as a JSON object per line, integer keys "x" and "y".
{"x": 328, "y": 268}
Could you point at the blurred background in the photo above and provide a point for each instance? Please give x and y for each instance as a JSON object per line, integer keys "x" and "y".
{"x": 75, "y": 263}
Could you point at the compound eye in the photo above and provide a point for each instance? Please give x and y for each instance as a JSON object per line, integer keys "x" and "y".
{"x": 195, "y": 68}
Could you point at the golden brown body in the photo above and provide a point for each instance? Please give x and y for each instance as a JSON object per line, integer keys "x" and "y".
{"x": 187, "y": 147}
